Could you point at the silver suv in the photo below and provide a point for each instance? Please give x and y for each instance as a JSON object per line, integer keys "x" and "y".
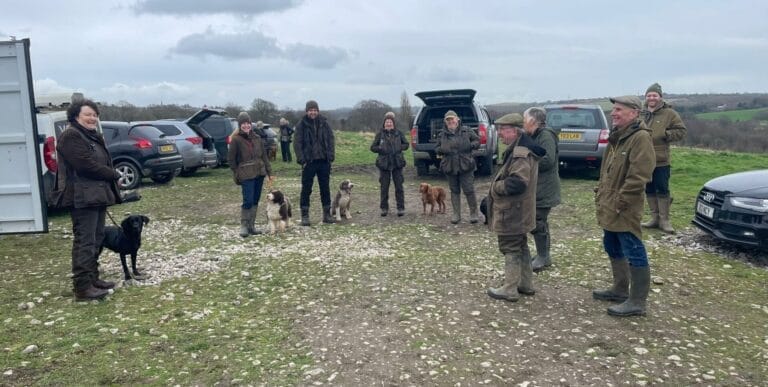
{"x": 583, "y": 134}
{"x": 195, "y": 145}
{"x": 429, "y": 122}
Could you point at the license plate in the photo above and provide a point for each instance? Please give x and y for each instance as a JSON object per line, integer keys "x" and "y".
{"x": 166, "y": 148}
{"x": 570, "y": 136}
{"x": 705, "y": 210}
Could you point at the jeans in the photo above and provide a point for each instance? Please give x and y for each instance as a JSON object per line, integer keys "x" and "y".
{"x": 659, "y": 184}
{"x": 620, "y": 245}
{"x": 321, "y": 169}
{"x": 251, "y": 189}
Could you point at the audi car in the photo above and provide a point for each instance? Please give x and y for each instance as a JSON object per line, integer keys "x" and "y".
{"x": 734, "y": 208}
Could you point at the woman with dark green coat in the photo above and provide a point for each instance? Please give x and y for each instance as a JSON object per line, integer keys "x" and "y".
{"x": 454, "y": 146}
{"x": 390, "y": 143}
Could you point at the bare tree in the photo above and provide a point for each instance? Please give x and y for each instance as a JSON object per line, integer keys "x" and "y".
{"x": 406, "y": 113}
{"x": 367, "y": 115}
{"x": 233, "y": 109}
{"x": 263, "y": 110}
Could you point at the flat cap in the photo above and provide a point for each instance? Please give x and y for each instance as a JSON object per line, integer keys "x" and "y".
{"x": 513, "y": 119}
{"x": 450, "y": 113}
{"x": 629, "y": 101}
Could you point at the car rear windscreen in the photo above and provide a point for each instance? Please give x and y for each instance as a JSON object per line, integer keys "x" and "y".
{"x": 574, "y": 118}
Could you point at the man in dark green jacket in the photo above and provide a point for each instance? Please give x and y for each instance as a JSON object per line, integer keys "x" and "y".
{"x": 666, "y": 127}
{"x": 627, "y": 166}
{"x": 548, "y": 185}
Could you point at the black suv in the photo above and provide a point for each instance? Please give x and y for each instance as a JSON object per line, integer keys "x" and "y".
{"x": 140, "y": 151}
{"x": 583, "y": 134}
{"x": 429, "y": 123}
{"x": 734, "y": 208}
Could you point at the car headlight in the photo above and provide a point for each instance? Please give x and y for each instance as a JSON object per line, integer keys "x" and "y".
{"x": 759, "y": 205}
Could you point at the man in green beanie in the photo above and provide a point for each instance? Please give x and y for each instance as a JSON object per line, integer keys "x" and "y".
{"x": 666, "y": 127}
{"x": 627, "y": 166}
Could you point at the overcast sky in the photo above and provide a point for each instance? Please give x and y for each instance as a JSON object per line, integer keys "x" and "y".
{"x": 340, "y": 52}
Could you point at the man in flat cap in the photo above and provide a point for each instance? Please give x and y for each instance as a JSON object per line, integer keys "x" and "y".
{"x": 666, "y": 127}
{"x": 315, "y": 148}
{"x": 512, "y": 207}
{"x": 627, "y": 166}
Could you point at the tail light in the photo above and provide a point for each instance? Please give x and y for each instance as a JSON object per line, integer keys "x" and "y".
{"x": 195, "y": 140}
{"x": 603, "y": 137}
{"x": 229, "y": 139}
{"x": 142, "y": 143}
{"x": 414, "y": 136}
{"x": 49, "y": 154}
{"x": 482, "y": 131}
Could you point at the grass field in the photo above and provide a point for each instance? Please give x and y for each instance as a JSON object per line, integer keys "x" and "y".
{"x": 378, "y": 300}
{"x": 733, "y": 115}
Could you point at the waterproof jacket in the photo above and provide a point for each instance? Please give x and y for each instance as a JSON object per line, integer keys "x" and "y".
{"x": 512, "y": 196}
{"x": 666, "y": 126}
{"x": 313, "y": 140}
{"x": 456, "y": 148}
{"x": 85, "y": 169}
{"x": 548, "y": 185}
{"x": 389, "y": 144}
{"x": 285, "y": 133}
{"x": 627, "y": 166}
{"x": 247, "y": 157}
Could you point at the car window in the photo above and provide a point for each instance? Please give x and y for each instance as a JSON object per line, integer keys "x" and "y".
{"x": 146, "y": 131}
{"x": 217, "y": 126}
{"x": 573, "y": 118}
{"x": 168, "y": 130}
{"x": 109, "y": 133}
{"x": 434, "y": 117}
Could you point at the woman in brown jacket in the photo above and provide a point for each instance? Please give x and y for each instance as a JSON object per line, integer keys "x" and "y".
{"x": 249, "y": 162}
{"x": 89, "y": 182}
{"x": 390, "y": 143}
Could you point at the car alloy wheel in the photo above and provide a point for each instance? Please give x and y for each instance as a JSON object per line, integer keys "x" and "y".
{"x": 130, "y": 175}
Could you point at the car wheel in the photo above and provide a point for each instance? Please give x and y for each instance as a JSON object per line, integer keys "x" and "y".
{"x": 163, "y": 179}
{"x": 130, "y": 175}
{"x": 188, "y": 172}
{"x": 422, "y": 168}
{"x": 485, "y": 165}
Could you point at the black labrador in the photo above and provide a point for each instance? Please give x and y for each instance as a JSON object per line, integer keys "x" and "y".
{"x": 125, "y": 240}
{"x": 484, "y": 209}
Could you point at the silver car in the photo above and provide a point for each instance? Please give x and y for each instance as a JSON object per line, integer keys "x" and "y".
{"x": 583, "y": 134}
{"x": 195, "y": 145}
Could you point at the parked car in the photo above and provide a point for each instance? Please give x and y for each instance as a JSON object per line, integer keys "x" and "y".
{"x": 429, "y": 122}
{"x": 734, "y": 208}
{"x": 583, "y": 134}
{"x": 220, "y": 128}
{"x": 140, "y": 151}
{"x": 195, "y": 145}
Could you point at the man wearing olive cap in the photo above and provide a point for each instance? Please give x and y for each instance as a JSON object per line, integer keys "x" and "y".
{"x": 455, "y": 145}
{"x": 512, "y": 207}
{"x": 627, "y": 166}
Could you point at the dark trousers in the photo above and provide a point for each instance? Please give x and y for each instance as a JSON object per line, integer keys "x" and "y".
{"x": 461, "y": 182}
{"x": 514, "y": 244}
{"x": 659, "y": 184}
{"x": 620, "y": 245}
{"x": 251, "y": 190}
{"x": 88, "y": 232}
{"x": 396, "y": 175}
{"x": 321, "y": 169}
{"x": 542, "y": 224}
{"x": 285, "y": 148}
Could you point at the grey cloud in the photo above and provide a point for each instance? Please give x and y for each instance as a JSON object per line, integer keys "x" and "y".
{"x": 449, "y": 74}
{"x": 232, "y": 46}
{"x": 204, "y": 7}
{"x": 315, "y": 56}
{"x": 254, "y": 44}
